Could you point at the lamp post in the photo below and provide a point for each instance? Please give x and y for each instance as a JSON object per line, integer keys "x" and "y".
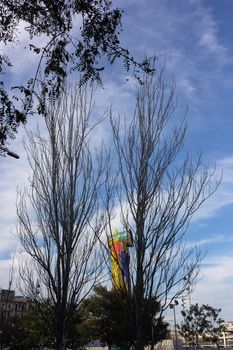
{"x": 154, "y": 323}
{"x": 9, "y": 153}
{"x": 173, "y": 306}
{"x": 190, "y": 304}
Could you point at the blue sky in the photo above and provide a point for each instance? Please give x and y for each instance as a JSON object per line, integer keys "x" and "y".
{"x": 193, "y": 38}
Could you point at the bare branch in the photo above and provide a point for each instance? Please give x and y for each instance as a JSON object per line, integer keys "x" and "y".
{"x": 159, "y": 190}
{"x": 60, "y": 217}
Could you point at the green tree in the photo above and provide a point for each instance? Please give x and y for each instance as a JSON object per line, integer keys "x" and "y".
{"x": 77, "y": 335}
{"x": 201, "y": 321}
{"x": 108, "y": 316}
{"x": 8, "y": 332}
{"x": 38, "y": 326}
{"x": 15, "y": 335}
{"x": 36, "y": 329}
{"x": 79, "y": 35}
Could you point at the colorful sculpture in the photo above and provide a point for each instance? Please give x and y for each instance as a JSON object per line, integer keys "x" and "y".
{"x": 119, "y": 243}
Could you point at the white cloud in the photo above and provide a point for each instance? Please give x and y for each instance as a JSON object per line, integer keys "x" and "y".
{"x": 14, "y": 173}
{"x": 209, "y": 40}
{"x": 209, "y": 240}
{"x": 224, "y": 194}
{"x": 24, "y": 62}
{"x": 215, "y": 287}
{"x": 207, "y": 33}
{"x": 183, "y": 34}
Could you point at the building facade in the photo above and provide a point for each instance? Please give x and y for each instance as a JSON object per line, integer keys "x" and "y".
{"x": 12, "y": 305}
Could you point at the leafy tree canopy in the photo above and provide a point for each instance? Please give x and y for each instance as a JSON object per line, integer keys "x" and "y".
{"x": 78, "y": 34}
{"x": 37, "y": 328}
{"x": 201, "y": 321}
{"x": 109, "y": 317}
{"x": 105, "y": 315}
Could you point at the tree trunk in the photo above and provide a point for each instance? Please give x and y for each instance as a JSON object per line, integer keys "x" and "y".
{"x": 61, "y": 336}
{"x": 139, "y": 310}
{"x": 61, "y": 342}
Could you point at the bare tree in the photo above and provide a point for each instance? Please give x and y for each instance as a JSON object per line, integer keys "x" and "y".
{"x": 59, "y": 214}
{"x": 159, "y": 190}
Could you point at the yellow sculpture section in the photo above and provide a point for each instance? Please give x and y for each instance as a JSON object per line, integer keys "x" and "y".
{"x": 119, "y": 243}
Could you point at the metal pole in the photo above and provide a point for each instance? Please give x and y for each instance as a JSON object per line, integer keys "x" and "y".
{"x": 152, "y": 337}
{"x": 190, "y": 304}
{"x": 174, "y": 310}
{"x": 9, "y": 153}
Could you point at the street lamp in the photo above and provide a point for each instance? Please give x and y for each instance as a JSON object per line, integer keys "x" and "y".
{"x": 9, "y": 153}
{"x": 154, "y": 323}
{"x": 173, "y": 306}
